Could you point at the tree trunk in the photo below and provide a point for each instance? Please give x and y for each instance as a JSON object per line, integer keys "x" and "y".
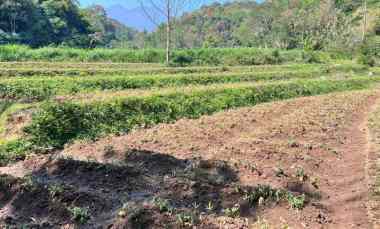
{"x": 364, "y": 20}
{"x": 168, "y": 32}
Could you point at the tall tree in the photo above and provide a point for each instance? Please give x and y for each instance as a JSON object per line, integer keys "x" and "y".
{"x": 169, "y": 9}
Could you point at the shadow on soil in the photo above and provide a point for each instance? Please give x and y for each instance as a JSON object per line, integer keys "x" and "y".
{"x": 147, "y": 190}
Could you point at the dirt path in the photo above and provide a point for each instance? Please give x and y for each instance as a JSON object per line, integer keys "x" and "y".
{"x": 349, "y": 188}
{"x": 373, "y": 165}
{"x": 324, "y": 137}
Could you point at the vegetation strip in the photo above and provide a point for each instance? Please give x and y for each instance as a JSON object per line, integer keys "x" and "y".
{"x": 43, "y": 88}
{"x": 201, "y": 56}
{"x": 39, "y": 88}
{"x": 59, "y": 69}
{"x": 57, "y": 123}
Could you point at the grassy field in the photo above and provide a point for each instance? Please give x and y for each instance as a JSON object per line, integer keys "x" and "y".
{"x": 49, "y": 107}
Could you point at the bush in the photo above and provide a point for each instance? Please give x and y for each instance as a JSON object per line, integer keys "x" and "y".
{"x": 205, "y": 56}
{"x": 181, "y": 60}
{"x": 367, "y": 60}
{"x": 370, "y": 51}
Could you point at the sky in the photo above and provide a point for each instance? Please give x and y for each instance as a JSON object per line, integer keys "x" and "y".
{"x": 127, "y": 3}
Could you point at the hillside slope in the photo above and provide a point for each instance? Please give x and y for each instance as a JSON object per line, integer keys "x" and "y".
{"x": 279, "y": 24}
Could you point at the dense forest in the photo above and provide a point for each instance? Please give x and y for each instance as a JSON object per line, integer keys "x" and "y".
{"x": 311, "y": 24}
{"x": 59, "y": 22}
{"x": 285, "y": 24}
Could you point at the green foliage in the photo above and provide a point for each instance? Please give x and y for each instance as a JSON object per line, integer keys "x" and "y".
{"x": 58, "y": 123}
{"x": 370, "y": 52}
{"x": 264, "y": 192}
{"x": 296, "y": 202}
{"x": 39, "y": 88}
{"x": 233, "y": 211}
{"x": 310, "y": 25}
{"x": 215, "y": 56}
{"x": 44, "y": 22}
{"x": 13, "y": 150}
{"x": 186, "y": 219}
{"x": 163, "y": 205}
{"x": 23, "y": 53}
{"x": 80, "y": 215}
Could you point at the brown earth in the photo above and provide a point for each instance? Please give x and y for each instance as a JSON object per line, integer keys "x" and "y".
{"x": 312, "y": 146}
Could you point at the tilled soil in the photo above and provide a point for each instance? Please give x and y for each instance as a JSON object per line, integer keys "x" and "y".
{"x": 221, "y": 171}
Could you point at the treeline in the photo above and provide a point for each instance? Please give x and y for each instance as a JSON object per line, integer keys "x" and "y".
{"x": 59, "y": 22}
{"x": 285, "y": 24}
{"x": 280, "y": 24}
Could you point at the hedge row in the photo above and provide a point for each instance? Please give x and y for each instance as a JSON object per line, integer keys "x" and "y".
{"x": 40, "y": 70}
{"x": 37, "y": 89}
{"x": 57, "y": 123}
{"x": 40, "y": 88}
{"x": 217, "y": 56}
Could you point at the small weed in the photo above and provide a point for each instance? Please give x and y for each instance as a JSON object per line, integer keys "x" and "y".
{"x": 187, "y": 219}
{"x": 29, "y": 183}
{"x": 233, "y": 212}
{"x": 238, "y": 189}
{"x": 79, "y": 215}
{"x": 263, "y": 192}
{"x": 296, "y": 202}
{"x": 261, "y": 224}
{"x": 163, "y": 205}
{"x": 301, "y": 175}
{"x": 109, "y": 150}
{"x": 279, "y": 172}
{"x": 196, "y": 206}
{"x": 210, "y": 206}
{"x": 55, "y": 190}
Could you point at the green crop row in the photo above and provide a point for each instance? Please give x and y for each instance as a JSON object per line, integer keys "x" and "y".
{"x": 40, "y": 88}
{"x": 216, "y": 56}
{"x": 57, "y": 123}
{"x": 40, "y": 70}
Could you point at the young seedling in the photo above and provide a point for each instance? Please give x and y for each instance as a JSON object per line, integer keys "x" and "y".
{"x": 210, "y": 206}
{"x": 301, "y": 175}
{"x": 163, "y": 205}
{"x": 279, "y": 172}
{"x": 296, "y": 202}
{"x": 232, "y": 212}
{"x": 79, "y": 215}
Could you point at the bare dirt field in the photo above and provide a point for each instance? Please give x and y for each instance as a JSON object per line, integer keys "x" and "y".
{"x": 228, "y": 170}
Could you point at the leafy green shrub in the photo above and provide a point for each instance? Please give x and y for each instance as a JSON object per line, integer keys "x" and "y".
{"x": 370, "y": 52}
{"x": 367, "y": 60}
{"x": 79, "y": 215}
{"x": 180, "y": 60}
{"x": 13, "y": 151}
{"x": 296, "y": 202}
{"x": 311, "y": 57}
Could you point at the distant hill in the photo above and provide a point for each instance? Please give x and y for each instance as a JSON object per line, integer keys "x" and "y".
{"x": 135, "y": 17}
